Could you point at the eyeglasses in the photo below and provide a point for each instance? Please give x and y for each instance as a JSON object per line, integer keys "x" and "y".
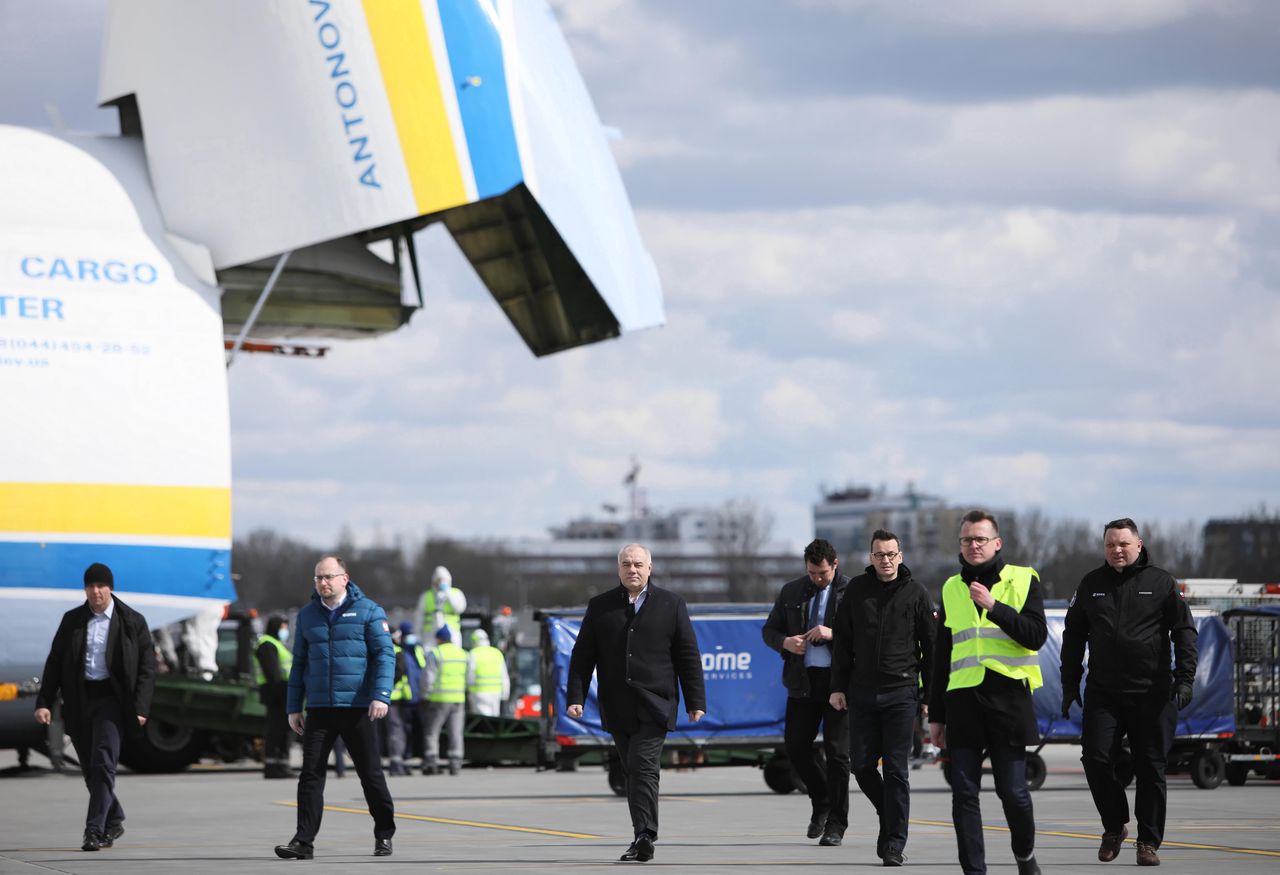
{"x": 979, "y": 540}
{"x": 326, "y": 577}
{"x": 881, "y": 556}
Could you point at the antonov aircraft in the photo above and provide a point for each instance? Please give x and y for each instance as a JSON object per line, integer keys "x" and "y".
{"x": 274, "y": 164}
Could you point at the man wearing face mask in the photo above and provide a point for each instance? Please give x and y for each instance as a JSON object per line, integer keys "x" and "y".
{"x": 1128, "y": 611}
{"x": 985, "y": 669}
{"x": 274, "y": 661}
{"x": 441, "y": 604}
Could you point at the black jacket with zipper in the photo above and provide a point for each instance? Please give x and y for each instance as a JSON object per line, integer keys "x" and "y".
{"x": 883, "y": 634}
{"x": 1128, "y": 618}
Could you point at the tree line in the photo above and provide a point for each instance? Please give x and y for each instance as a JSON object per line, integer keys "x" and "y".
{"x": 273, "y": 571}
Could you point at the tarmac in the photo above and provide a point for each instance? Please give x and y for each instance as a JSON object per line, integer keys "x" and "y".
{"x": 225, "y": 820}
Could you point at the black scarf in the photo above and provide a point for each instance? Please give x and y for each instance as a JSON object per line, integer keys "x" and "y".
{"x": 987, "y": 574}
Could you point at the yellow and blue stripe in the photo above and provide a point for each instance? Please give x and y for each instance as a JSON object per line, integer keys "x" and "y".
{"x": 441, "y": 168}
{"x": 172, "y": 540}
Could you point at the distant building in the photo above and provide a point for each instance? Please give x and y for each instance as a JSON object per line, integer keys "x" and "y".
{"x": 1246, "y": 549}
{"x": 693, "y": 554}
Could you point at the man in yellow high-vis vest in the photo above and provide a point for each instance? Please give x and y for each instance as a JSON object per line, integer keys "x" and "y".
{"x": 274, "y": 660}
{"x": 445, "y": 680}
{"x": 442, "y": 604}
{"x": 985, "y": 669}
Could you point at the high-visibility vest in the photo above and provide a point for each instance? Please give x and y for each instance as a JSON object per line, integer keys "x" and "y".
{"x": 487, "y": 676}
{"x": 427, "y": 610}
{"x": 413, "y": 671}
{"x": 977, "y": 644}
{"x": 285, "y": 654}
{"x": 450, "y": 684}
{"x": 401, "y": 691}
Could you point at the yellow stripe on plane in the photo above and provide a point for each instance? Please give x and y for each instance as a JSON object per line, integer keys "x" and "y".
{"x": 403, "y": 47}
{"x": 107, "y": 508}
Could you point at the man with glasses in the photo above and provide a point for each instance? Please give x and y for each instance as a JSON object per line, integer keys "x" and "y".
{"x": 343, "y": 669}
{"x": 799, "y": 628}
{"x": 882, "y": 660}
{"x": 1127, "y": 611}
{"x": 985, "y": 669}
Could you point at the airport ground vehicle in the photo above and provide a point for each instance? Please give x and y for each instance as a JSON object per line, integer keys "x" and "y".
{"x": 743, "y": 726}
{"x": 192, "y": 716}
{"x": 1255, "y": 634}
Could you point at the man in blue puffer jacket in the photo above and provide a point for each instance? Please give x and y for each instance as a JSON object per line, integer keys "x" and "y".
{"x": 343, "y": 667}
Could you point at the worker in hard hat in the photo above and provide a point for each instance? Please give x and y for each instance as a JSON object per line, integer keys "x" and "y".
{"x": 488, "y": 682}
{"x": 445, "y": 680}
{"x": 442, "y": 605}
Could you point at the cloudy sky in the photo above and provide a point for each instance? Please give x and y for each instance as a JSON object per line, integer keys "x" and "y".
{"x": 1019, "y": 254}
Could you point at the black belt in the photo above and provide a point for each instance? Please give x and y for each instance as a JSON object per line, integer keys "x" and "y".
{"x": 98, "y": 688}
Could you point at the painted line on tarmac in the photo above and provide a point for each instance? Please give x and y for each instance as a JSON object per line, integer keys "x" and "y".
{"x": 476, "y": 823}
{"x": 1226, "y": 849}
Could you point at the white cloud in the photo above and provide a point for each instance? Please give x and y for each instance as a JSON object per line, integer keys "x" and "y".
{"x": 1090, "y": 16}
{"x": 855, "y": 326}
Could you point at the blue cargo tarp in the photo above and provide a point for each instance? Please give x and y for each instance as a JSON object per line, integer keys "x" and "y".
{"x": 745, "y": 696}
{"x": 1212, "y": 708}
{"x": 746, "y": 699}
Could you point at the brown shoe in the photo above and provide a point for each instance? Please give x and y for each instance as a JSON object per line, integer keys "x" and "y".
{"x": 1147, "y": 855}
{"x": 1111, "y": 842}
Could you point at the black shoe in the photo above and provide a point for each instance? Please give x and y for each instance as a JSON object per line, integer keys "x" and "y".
{"x": 273, "y": 772}
{"x": 114, "y": 831}
{"x": 382, "y": 847}
{"x": 92, "y": 840}
{"x": 641, "y": 851}
{"x": 430, "y": 770}
{"x": 295, "y": 850}
{"x": 1028, "y": 867}
{"x": 831, "y": 838}
{"x": 815, "y": 830}
{"x": 454, "y": 768}
{"x": 893, "y": 858}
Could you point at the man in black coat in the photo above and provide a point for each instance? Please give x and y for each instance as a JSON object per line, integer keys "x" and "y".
{"x": 883, "y": 659}
{"x": 1127, "y": 611}
{"x": 641, "y": 644}
{"x": 799, "y": 628}
{"x": 103, "y": 664}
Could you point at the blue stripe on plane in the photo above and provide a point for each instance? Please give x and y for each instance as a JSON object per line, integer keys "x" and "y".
{"x": 199, "y": 572}
{"x": 475, "y": 56}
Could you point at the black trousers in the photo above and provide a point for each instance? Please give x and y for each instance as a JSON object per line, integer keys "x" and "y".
{"x": 640, "y": 752}
{"x": 828, "y": 793}
{"x": 882, "y": 727}
{"x": 97, "y": 742}
{"x": 277, "y": 737}
{"x": 323, "y": 727}
{"x": 1149, "y": 722}
{"x": 1009, "y": 769}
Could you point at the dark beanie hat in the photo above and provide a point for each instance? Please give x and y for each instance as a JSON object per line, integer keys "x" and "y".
{"x": 99, "y": 573}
